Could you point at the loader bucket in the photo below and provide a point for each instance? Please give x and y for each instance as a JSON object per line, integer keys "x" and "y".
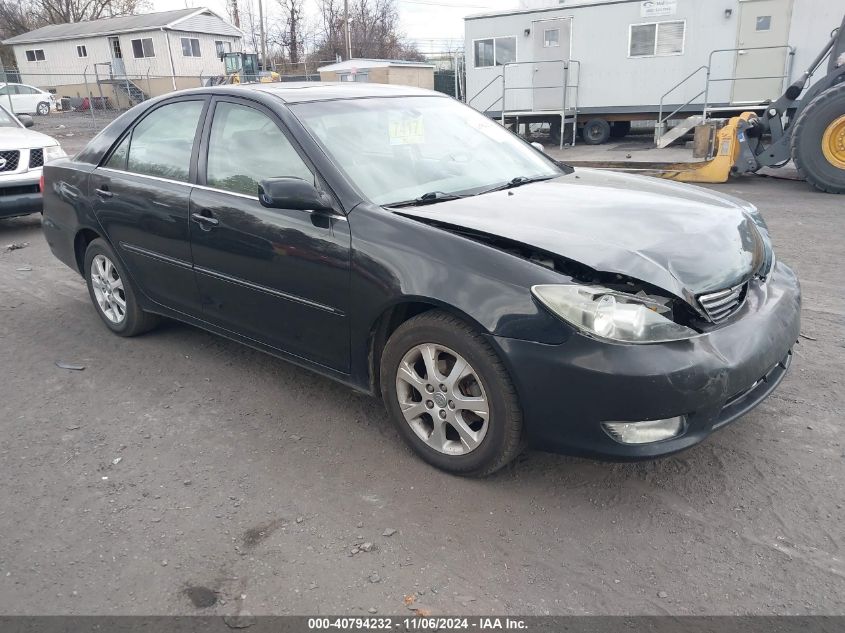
{"x": 728, "y": 158}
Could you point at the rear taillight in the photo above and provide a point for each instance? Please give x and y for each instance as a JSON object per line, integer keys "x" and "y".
{"x": 41, "y": 183}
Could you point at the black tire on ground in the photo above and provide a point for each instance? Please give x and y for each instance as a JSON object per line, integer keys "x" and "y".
{"x": 807, "y": 136}
{"x": 43, "y": 108}
{"x": 135, "y": 321}
{"x": 504, "y": 438}
{"x": 620, "y": 129}
{"x": 595, "y": 132}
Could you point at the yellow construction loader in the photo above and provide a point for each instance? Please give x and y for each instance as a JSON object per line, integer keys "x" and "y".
{"x": 808, "y": 130}
{"x": 243, "y": 68}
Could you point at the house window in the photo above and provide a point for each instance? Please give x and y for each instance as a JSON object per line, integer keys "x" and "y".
{"x": 764, "y": 23}
{"x": 222, "y": 47}
{"x": 81, "y": 51}
{"x": 551, "y": 37}
{"x": 143, "y": 48}
{"x": 494, "y": 51}
{"x": 656, "y": 39}
{"x": 191, "y": 47}
{"x": 35, "y": 55}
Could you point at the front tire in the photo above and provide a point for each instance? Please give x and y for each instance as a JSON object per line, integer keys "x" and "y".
{"x": 43, "y": 108}
{"x": 818, "y": 141}
{"x": 112, "y": 293}
{"x": 450, "y": 396}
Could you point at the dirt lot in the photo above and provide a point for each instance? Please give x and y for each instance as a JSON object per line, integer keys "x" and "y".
{"x": 180, "y": 468}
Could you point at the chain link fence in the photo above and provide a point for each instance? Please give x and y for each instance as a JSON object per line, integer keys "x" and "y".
{"x": 96, "y": 96}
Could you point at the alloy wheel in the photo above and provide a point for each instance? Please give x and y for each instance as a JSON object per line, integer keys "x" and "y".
{"x": 108, "y": 289}
{"x": 43, "y": 109}
{"x": 442, "y": 399}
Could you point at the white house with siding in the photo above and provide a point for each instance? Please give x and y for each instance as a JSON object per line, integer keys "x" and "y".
{"x": 157, "y": 52}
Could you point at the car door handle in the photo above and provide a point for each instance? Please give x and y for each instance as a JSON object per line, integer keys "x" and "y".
{"x": 205, "y": 221}
{"x": 104, "y": 193}
{"x": 65, "y": 189}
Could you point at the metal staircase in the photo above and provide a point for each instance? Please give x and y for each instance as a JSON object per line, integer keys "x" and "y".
{"x": 526, "y": 111}
{"x": 664, "y": 135}
{"x": 131, "y": 90}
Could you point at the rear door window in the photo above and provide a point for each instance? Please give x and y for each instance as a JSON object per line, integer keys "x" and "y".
{"x": 162, "y": 143}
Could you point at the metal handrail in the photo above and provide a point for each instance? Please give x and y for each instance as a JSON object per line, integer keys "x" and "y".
{"x": 565, "y": 86}
{"x": 490, "y": 83}
{"x": 784, "y": 78}
{"x": 505, "y": 87}
{"x": 660, "y": 119}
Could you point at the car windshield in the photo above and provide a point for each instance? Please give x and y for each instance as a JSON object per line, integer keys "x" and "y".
{"x": 6, "y": 119}
{"x": 402, "y": 149}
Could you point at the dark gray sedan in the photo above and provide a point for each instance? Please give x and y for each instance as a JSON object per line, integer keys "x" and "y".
{"x": 402, "y": 243}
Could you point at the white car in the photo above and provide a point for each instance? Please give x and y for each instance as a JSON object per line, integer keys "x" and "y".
{"x": 23, "y": 99}
{"x": 23, "y": 153}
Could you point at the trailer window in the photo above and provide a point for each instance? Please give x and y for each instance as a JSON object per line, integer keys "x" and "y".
{"x": 494, "y": 51}
{"x": 764, "y": 23}
{"x": 551, "y": 37}
{"x": 656, "y": 38}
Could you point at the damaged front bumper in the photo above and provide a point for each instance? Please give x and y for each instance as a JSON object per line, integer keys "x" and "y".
{"x": 568, "y": 390}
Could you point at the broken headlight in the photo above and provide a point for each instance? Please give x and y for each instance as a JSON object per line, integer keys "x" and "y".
{"x": 613, "y": 315}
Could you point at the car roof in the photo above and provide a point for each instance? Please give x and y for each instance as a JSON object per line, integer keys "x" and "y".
{"x": 301, "y": 91}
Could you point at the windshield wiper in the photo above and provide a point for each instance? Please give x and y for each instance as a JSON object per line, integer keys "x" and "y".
{"x": 516, "y": 182}
{"x": 427, "y": 198}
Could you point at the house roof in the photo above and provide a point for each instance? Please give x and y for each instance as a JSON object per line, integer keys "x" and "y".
{"x": 127, "y": 24}
{"x": 362, "y": 64}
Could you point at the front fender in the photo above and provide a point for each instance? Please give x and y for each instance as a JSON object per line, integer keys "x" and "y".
{"x": 396, "y": 259}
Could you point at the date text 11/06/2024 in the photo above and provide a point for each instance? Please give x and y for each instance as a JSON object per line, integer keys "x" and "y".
{"x": 418, "y": 623}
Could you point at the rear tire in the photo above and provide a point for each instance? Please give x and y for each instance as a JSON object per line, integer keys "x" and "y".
{"x": 434, "y": 410}
{"x": 112, "y": 293}
{"x": 596, "y": 132}
{"x": 824, "y": 170}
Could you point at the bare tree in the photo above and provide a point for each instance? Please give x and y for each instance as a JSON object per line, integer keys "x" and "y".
{"x": 292, "y": 29}
{"x": 374, "y": 26}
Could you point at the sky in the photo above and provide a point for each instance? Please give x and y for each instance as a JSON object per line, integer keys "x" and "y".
{"x": 432, "y": 24}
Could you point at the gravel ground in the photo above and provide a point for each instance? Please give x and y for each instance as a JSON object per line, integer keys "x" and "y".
{"x": 182, "y": 473}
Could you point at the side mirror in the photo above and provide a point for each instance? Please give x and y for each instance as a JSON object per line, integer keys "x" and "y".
{"x": 292, "y": 193}
{"x": 26, "y": 120}
{"x": 538, "y": 146}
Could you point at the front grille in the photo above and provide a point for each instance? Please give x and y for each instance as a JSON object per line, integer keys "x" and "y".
{"x": 36, "y": 158}
{"x": 720, "y": 305}
{"x": 9, "y": 160}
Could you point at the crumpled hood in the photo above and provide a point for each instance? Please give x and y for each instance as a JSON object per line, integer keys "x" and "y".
{"x": 12, "y": 138}
{"x": 686, "y": 240}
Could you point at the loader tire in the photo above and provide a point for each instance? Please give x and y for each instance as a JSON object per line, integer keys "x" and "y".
{"x": 818, "y": 141}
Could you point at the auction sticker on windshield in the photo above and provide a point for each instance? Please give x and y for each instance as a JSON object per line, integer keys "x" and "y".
{"x": 406, "y": 131}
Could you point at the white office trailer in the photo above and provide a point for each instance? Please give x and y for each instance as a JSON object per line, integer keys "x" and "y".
{"x": 600, "y": 64}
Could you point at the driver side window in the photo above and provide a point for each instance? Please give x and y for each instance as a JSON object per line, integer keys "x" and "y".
{"x": 246, "y": 146}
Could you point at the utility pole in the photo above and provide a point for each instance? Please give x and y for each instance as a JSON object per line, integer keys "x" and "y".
{"x": 236, "y": 16}
{"x": 261, "y": 34}
{"x": 346, "y": 23}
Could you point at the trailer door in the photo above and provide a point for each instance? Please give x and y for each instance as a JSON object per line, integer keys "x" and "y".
{"x": 551, "y": 52}
{"x": 761, "y": 23}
